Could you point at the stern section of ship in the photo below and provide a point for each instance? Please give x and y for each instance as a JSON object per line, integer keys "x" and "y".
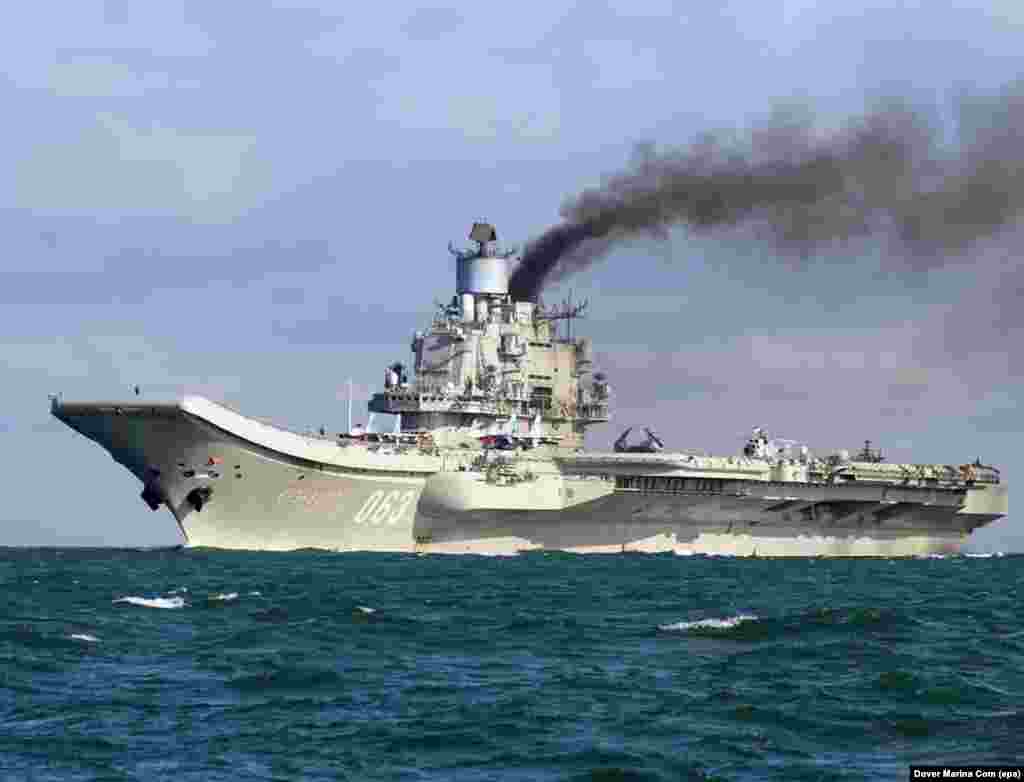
{"x": 467, "y": 511}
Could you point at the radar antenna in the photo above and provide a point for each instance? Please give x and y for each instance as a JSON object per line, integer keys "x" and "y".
{"x": 869, "y": 455}
{"x": 566, "y": 311}
{"x": 482, "y": 235}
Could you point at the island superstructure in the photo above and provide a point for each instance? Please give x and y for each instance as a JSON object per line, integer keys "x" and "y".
{"x": 487, "y": 455}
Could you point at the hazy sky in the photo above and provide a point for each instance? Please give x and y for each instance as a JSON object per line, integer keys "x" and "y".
{"x": 251, "y": 200}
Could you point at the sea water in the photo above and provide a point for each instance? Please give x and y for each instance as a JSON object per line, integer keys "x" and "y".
{"x": 212, "y": 665}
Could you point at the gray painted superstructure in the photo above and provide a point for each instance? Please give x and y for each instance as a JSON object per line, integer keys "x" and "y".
{"x": 488, "y": 458}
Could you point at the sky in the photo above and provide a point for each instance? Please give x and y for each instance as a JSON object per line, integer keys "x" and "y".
{"x": 252, "y": 201}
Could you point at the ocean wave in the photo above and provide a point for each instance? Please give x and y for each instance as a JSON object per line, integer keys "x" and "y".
{"x": 859, "y": 615}
{"x": 286, "y": 677}
{"x": 225, "y": 597}
{"x": 710, "y": 624}
{"x": 272, "y": 614}
{"x": 153, "y": 602}
{"x": 807, "y": 668}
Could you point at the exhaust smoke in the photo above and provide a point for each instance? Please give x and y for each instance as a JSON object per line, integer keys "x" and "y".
{"x": 895, "y": 173}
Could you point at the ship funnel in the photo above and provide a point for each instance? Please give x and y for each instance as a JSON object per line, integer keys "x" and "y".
{"x": 481, "y": 270}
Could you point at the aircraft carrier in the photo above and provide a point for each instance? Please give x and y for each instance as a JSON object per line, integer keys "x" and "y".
{"x": 486, "y": 455}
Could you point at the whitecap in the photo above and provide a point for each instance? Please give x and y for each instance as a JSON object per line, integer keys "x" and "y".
{"x": 178, "y": 590}
{"x": 85, "y": 637}
{"x": 366, "y": 609}
{"x": 256, "y": 594}
{"x": 153, "y": 602}
{"x": 225, "y": 596}
{"x": 710, "y": 624}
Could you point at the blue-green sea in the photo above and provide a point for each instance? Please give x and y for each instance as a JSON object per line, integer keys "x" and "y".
{"x": 211, "y": 665}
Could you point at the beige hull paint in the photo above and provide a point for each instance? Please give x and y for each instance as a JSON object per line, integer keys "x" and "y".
{"x": 271, "y": 489}
{"x": 277, "y": 490}
{"x": 461, "y": 512}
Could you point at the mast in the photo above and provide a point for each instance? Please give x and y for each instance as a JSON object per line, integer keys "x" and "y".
{"x": 350, "y": 405}
{"x": 568, "y": 321}
{"x": 489, "y": 358}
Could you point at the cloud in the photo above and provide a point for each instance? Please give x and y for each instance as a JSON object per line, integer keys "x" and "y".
{"x": 435, "y": 91}
{"x": 842, "y": 351}
{"x": 829, "y": 386}
{"x": 359, "y": 62}
{"x": 986, "y": 322}
{"x": 102, "y": 76}
{"x": 35, "y": 35}
{"x": 463, "y": 84}
{"x": 621, "y": 64}
{"x": 997, "y": 411}
{"x": 429, "y": 24}
{"x": 907, "y": 392}
{"x": 647, "y": 9}
{"x": 782, "y": 392}
{"x": 116, "y": 166}
{"x": 56, "y": 358}
{"x": 287, "y": 295}
{"x": 191, "y": 202}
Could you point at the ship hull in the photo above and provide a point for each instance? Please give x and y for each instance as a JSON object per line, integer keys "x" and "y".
{"x": 460, "y": 512}
{"x": 254, "y": 493}
{"x": 232, "y": 482}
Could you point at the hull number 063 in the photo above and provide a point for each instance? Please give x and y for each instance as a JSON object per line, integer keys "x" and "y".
{"x": 385, "y": 507}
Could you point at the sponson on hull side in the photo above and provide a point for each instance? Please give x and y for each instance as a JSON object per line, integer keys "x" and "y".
{"x": 486, "y": 456}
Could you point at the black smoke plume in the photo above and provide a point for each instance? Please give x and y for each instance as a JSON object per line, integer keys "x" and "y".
{"x": 930, "y": 188}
